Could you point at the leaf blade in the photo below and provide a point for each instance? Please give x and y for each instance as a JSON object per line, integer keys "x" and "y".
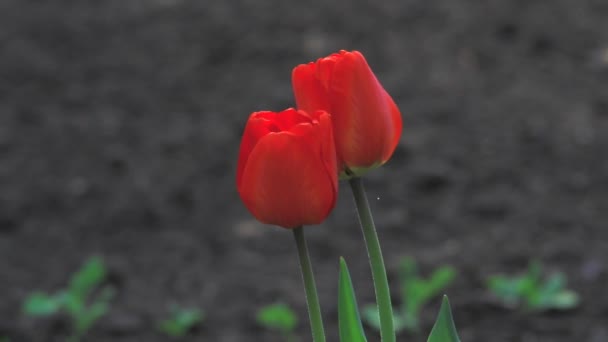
{"x": 41, "y": 304}
{"x": 91, "y": 274}
{"x": 444, "y": 329}
{"x": 277, "y": 316}
{"x": 351, "y": 329}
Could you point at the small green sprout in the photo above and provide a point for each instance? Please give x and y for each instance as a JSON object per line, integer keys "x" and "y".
{"x": 444, "y": 329}
{"x": 416, "y": 292}
{"x": 181, "y": 321}
{"x": 533, "y": 293}
{"x": 279, "y": 317}
{"x": 82, "y": 301}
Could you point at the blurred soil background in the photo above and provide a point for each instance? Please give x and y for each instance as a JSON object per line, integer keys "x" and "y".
{"x": 119, "y": 131}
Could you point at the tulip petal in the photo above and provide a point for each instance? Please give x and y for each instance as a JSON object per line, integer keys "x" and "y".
{"x": 359, "y": 111}
{"x": 257, "y": 126}
{"x": 328, "y": 147}
{"x": 263, "y": 122}
{"x": 286, "y": 119}
{"x": 284, "y": 181}
{"x": 367, "y": 124}
{"x": 397, "y": 126}
{"x": 308, "y": 90}
{"x": 324, "y": 68}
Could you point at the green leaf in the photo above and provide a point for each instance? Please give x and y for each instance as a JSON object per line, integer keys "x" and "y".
{"x": 444, "y": 329}
{"x": 92, "y": 273}
{"x": 530, "y": 292}
{"x": 564, "y": 300}
{"x": 83, "y": 316}
{"x": 543, "y": 297}
{"x": 411, "y": 286}
{"x": 351, "y": 329}
{"x": 505, "y": 289}
{"x": 371, "y": 316}
{"x": 277, "y": 316}
{"x": 85, "y": 320}
{"x": 554, "y": 284}
{"x": 73, "y": 301}
{"x": 73, "y": 304}
{"x": 402, "y": 322}
{"x": 173, "y": 328}
{"x": 188, "y": 318}
{"x": 182, "y": 321}
{"x": 440, "y": 279}
{"x": 417, "y": 292}
{"x": 423, "y": 290}
{"x": 40, "y": 304}
{"x": 414, "y": 292}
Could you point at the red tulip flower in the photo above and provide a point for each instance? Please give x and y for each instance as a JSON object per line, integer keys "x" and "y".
{"x": 367, "y": 123}
{"x": 287, "y": 170}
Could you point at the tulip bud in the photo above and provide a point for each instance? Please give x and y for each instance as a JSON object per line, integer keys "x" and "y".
{"x": 287, "y": 170}
{"x": 366, "y": 121}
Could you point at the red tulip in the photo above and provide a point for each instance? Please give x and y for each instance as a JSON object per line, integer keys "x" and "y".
{"x": 287, "y": 171}
{"x": 367, "y": 123}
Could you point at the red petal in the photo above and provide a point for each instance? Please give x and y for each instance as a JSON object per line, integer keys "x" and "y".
{"x": 258, "y": 125}
{"x": 309, "y": 92}
{"x": 285, "y": 182}
{"x": 360, "y": 112}
{"x": 397, "y": 127}
{"x": 290, "y": 118}
{"x": 328, "y": 147}
{"x": 325, "y": 68}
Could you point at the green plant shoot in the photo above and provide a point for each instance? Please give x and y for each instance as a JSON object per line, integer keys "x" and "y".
{"x": 351, "y": 329}
{"x": 416, "y": 292}
{"x": 181, "y": 321}
{"x": 279, "y": 317}
{"x": 444, "y": 329}
{"x": 82, "y": 300}
{"x": 532, "y": 292}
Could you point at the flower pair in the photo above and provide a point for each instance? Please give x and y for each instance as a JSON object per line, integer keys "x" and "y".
{"x": 289, "y": 162}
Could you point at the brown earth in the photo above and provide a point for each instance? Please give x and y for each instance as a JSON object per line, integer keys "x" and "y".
{"x": 119, "y": 129}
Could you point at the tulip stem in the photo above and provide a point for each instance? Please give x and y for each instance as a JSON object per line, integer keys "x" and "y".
{"x": 383, "y": 294}
{"x": 312, "y": 299}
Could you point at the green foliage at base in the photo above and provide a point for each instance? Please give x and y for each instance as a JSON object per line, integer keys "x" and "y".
{"x": 444, "y": 329}
{"x": 531, "y": 291}
{"x": 278, "y": 317}
{"x": 83, "y": 301}
{"x": 416, "y": 292}
{"x": 351, "y": 329}
{"x": 181, "y": 321}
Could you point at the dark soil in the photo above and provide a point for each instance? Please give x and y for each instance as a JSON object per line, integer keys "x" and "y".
{"x": 119, "y": 130}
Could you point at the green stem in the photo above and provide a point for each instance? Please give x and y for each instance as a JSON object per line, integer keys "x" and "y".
{"x": 312, "y": 299}
{"x": 383, "y": 294}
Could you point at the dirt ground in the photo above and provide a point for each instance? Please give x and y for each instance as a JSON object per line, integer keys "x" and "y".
{"x": 119, "y": 130}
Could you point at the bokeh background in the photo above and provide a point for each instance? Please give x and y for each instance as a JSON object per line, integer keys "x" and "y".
{"x": 120, "y": 123}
